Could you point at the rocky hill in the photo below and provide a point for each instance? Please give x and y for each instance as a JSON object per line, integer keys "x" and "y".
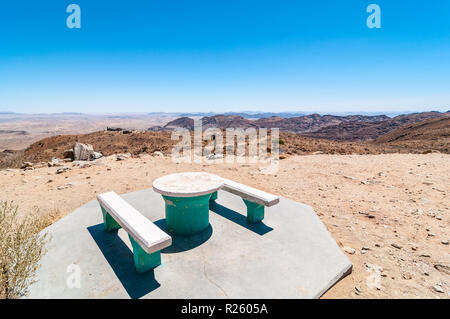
{"x": 437, "y": 130}
{"x": 366, "y": 131}
{"x": 342, "y": 128}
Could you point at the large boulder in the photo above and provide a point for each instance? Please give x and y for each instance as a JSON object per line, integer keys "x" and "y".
{"x": 82, "y": 152}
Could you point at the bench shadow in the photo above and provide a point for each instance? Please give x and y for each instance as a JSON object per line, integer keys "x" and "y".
{"x": 183, "y": 243}
{"x": 120, "y": 258}
{"x": 260, "y": 228}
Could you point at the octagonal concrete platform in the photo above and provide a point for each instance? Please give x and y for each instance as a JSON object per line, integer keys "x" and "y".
{"x": 289, "y": 255}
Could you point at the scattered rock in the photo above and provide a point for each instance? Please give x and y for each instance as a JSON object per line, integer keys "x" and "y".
{"x": 26, "y": 165}
{"x": 374, "y": 267}
{"x": 73, "y": 184}
{"x": 349, "y": 250}
{"x": 158, "y": 153}
{"x": 96, "y": 155}
{"x": 82, "y": 164}
{"x": 396, "y": 246}
{"x": 55, "y": 162}
{"x": 62, "y": 170}
{"x": 427, "y": 255}
{"x": 442, "y": 268}
{"x": 121, "y": 157}
{"x": 406, "y": 276}
{"x": 444, "y": 242}
{"x": 127, "y": 131}
{"x": 438, "y": 288}
{"x": 214, "y": 157}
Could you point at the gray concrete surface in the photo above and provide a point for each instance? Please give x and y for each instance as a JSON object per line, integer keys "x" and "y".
{"x": 289, "y": 255}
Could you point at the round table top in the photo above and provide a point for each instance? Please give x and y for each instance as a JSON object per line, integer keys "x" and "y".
{"x": 187, "y": 184}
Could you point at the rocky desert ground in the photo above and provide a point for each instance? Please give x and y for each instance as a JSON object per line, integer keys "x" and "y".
{"x": 390, "y": 213}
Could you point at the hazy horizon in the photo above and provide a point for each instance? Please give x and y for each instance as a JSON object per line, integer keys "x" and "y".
{"x": 248, "y": 112}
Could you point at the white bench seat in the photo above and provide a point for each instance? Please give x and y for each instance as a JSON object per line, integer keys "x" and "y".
{"x": 146, "y": 238}
{"x": 249, "y": 193}
{"x": 254, "y": 199}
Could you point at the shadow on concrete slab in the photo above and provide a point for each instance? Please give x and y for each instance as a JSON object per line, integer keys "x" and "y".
{"x": 260, "y": 228}
{"x": 120, "y": 258}
{"x": 183, "y": 243}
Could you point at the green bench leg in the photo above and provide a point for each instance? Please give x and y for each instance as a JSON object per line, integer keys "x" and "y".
{"x": 255, "y": 212}
{"x": 109, "y": 222}
{"x": 143, "y": 261}
{"x": 212, "y": 199}
{"x": 213, "y": 196}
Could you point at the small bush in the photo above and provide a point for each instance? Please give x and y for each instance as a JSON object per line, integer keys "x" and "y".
{"x": 21, "y": 247}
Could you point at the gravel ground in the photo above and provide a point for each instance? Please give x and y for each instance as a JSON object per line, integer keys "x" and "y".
{"x": 389, "y": 213}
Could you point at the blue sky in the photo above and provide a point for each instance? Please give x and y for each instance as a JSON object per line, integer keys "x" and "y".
{"x": 229, "y": 55}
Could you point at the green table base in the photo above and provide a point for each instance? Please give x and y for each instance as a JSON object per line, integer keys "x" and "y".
{"x": 187, "y": 215}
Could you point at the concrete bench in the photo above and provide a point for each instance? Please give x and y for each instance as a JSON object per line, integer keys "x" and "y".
{"x": 254, "y": 199}
{"x": 146, "y": 238}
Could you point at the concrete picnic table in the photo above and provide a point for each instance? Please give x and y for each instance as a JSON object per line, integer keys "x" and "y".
{"x": 187, "y": 197}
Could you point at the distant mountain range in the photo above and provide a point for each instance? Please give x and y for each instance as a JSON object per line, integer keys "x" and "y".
{"x": 333, "y": 127}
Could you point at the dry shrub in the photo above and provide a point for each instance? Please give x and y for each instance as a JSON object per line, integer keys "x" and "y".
{"x": 21, "y": 247}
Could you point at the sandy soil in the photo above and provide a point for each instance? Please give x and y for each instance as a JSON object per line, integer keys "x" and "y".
{"x": 390, "y": 213}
